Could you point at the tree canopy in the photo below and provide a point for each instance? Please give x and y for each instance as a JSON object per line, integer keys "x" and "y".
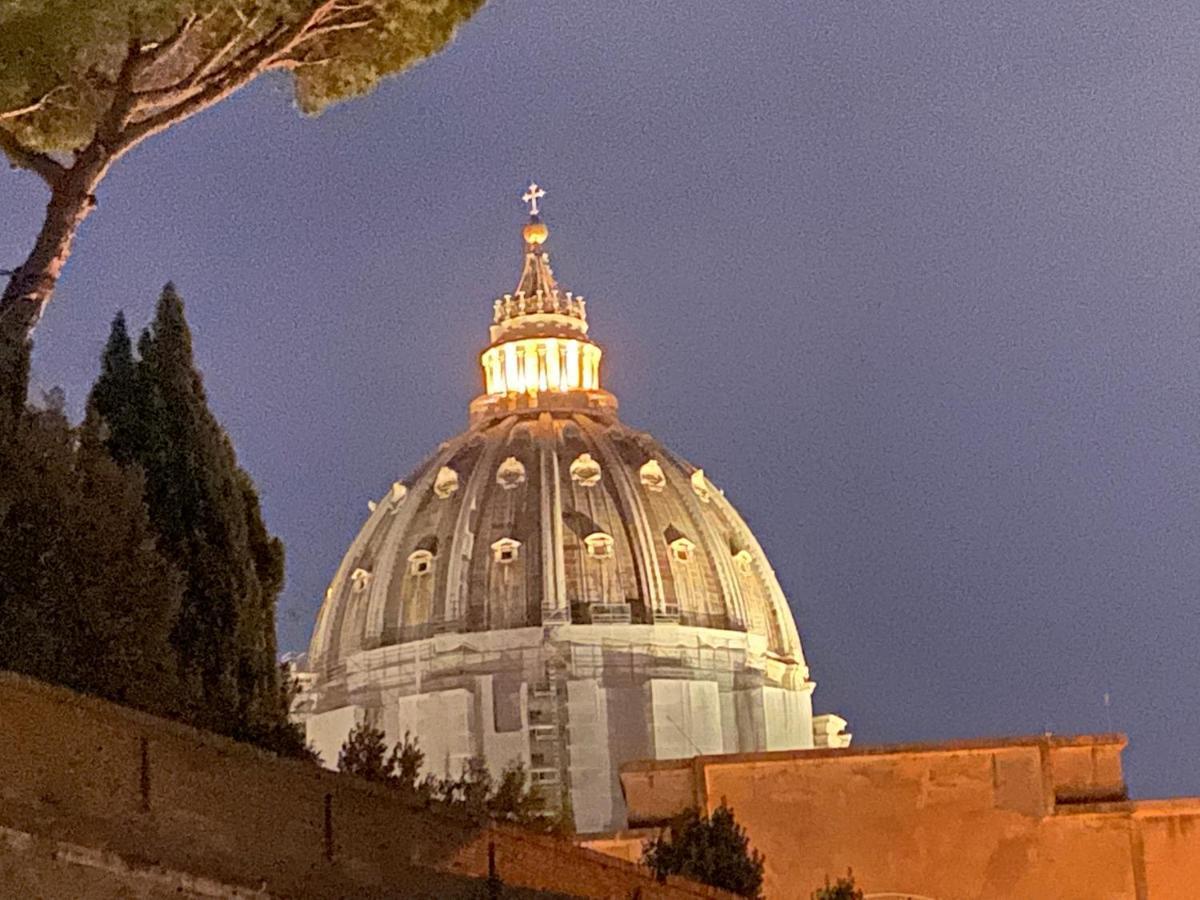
{"x": 475, "y": 792}
{"x": 206, "y": 513}
{"x": 364, "y": 753}
{"x": 81, "y": 84}
{"x": 842, "y": 889}
{"x": 712, "y": 849}
{"x": 66, "y": 66}
{"x": 86, "y": 598}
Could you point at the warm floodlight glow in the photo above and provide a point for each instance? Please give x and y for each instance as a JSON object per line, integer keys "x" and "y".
{"x": 533, "y": 365}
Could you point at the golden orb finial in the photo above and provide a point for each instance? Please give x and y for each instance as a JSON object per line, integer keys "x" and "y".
{"x": 536, "y": 233}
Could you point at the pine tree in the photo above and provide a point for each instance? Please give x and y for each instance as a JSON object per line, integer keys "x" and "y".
{"x": 207, "y": 515}
{"x": 364, "y": 753}
{"x": 842, "y": 889}
{"x": 475, "y": 792}
{"x": 711, "y": 849}
{"x": 407, "y": 760}
{"x": 512, "y": 799}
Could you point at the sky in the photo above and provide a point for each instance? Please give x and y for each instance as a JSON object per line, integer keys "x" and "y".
{"x": 915, "y": 283}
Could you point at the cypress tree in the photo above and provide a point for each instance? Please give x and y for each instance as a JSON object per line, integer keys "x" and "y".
{"x": 208, "y": 519}
{"x": 86, "y": 600}
{"x": 115, "y": 395}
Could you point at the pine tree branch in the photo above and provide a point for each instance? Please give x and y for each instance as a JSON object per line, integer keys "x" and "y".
{"x": 31, "y": 107}
{"x": 270, "y": 51}
{"x": 156, "y": 51}
{"x": 187, "y": 100}
{"x": 202, "y": 73}
{"x": 27, "y": 158}
{"x": 213, "y": 60}
{"x": 335, "y": 21}
{"x": 116, "y": 117}
{"x": 291, "y": 63}
{"x": 337, "y": 26}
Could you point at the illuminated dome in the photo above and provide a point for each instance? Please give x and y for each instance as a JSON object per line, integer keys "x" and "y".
{"x": 556, "y": 588}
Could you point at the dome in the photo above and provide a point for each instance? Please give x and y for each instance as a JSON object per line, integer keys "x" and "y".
{"x": 556, "y": 589}
{"x": 549, "y": 517}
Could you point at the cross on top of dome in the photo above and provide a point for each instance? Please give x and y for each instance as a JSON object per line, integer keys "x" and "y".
{"x": 531, "y": 196}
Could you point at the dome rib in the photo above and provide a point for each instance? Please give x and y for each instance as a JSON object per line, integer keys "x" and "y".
{"x": 634, "y": 522}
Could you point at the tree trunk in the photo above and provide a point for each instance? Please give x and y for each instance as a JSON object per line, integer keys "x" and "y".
{"x": 32, "y": 284}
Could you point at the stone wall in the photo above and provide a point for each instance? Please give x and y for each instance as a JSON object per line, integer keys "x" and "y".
{"x": 1040, "y": 817}
{"x": 128, "y": 805}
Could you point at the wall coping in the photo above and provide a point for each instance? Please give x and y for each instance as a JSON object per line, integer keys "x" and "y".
{"x": 1165, "y": 806}
{"x": 966, "y": 745}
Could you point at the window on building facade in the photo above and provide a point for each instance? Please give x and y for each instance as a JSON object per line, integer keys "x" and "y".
{"x": 585, "y": 471}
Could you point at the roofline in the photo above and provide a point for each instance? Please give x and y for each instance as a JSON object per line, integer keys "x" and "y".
{"x": 964, "y": 745}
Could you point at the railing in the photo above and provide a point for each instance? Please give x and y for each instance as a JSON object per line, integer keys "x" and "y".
{"x": 668, "y": 613}
{"x": 553, "y": 615}
{"x": 610, "y": 613}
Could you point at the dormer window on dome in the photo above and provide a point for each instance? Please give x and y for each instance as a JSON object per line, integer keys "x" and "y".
{"x": 599, "y": 545}
{"x": 652, "y": 477}
{"x": 585, "y": 471}
{"x": 511, "y": 473}
{"x": 359, "y": 579}
{"x": 446, "y": 483}
{"x": 682, "y": 549}
{"x": 505, "y": 550}
{"x": 396, "y": 495}
{"x": 420, "y": 562}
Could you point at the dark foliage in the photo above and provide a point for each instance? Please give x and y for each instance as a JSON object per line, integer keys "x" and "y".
{"x": 714, "y": 850}
{"x": 842, "y": 889}
{"x": 206, "y": 513}
{"x": 365, "y": 754}
{"x": 86, "y": 599}
{"x": 475, "y": 792}
{"x": 134, "y": 561}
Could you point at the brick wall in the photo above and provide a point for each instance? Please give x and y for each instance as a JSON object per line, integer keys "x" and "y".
{"x": 155, "y": 795}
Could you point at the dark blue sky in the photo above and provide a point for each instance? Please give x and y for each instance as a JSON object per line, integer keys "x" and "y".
{"x": 916, "y": 283}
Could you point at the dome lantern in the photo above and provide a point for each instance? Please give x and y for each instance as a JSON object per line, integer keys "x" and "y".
{"x": 540, "y": 356}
